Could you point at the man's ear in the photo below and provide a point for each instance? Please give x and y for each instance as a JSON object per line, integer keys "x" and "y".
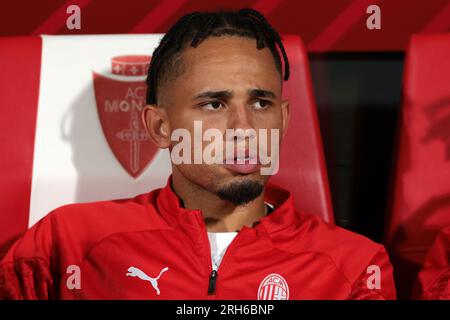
{"x": 156, "y": 123}
{"x": 286, "y": 114}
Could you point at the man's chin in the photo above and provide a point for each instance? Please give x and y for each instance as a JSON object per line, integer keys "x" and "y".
{"x": 241, "y": 190}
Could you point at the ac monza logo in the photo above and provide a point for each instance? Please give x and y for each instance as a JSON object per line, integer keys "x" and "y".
{"x": 273, "y": 287}
{"x": 120, "y": 97}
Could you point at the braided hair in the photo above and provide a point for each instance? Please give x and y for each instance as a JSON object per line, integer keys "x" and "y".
{"x": 197, "y": 26}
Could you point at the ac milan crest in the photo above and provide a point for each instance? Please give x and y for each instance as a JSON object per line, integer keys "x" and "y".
{"x": 273, "y": 287}
{"x": 120, "y": 98}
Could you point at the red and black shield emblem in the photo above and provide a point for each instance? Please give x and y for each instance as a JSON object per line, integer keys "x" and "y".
{"x": 120, "y": 98}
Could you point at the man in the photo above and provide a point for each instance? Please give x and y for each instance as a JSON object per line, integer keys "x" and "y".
{"x": 217, "y": 230}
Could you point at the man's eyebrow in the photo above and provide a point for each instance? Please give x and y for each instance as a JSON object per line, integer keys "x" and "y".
{"x": 213, "y": 95}
{"x": 261, "y": 93}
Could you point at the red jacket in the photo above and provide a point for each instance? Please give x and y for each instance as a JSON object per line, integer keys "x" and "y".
{"x": 137, "y": 248}
{"x": 434, "y": 278}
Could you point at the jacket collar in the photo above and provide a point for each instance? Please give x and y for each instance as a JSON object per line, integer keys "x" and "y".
{"x": 283, "y": 216}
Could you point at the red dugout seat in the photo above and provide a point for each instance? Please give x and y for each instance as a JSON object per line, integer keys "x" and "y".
{"x": 302, "y": 167}
{"x": 25, "y": 68}
{"x": 421, "y": 186}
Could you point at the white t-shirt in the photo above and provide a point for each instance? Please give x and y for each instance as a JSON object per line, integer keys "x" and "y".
{"x": 219, "y": 242}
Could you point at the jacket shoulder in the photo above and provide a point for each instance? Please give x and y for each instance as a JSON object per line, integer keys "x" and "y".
{"x": 78, "y": 227}
{"x": 349, "y": 252}
{"x": 119, "y": 213}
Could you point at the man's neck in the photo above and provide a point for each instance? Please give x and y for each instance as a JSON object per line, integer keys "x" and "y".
{"x": 220, "y": 215}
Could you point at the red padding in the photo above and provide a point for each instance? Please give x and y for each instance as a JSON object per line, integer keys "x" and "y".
{"x": 20, "y": 66}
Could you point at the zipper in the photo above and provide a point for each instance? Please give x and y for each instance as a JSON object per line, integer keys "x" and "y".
{"x": 213, "y": 276}
{"x": 212, "y": 282}
{"x": 215, "y": 272}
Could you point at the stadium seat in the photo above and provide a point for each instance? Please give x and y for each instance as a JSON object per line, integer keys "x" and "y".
{"x": 421, "y": 179}
{"x": 57, "y": 145}
{"x": 302, "y": 162}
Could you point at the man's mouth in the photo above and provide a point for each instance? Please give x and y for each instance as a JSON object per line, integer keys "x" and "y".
{"x": 243, "y": 164}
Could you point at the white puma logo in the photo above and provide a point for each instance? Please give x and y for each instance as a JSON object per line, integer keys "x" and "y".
{"x": 135, "y": 272}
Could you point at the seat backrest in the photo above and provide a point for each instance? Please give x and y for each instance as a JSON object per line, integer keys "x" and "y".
{"x": 302, "y": 162}
{"x": 71, "y": 130}
{"x": 421, "y": 185}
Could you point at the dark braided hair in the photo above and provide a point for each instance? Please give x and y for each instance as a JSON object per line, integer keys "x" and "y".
{"x": 197, "y": 26}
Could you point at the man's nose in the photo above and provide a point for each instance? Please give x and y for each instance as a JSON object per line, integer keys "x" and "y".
{"x": 240, "y": 117}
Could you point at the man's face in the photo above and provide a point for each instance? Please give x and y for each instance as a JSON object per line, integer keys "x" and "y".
{"x": 226, "y": 83}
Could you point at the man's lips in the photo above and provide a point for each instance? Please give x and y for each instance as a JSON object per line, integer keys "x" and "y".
{"x": 242, "y": 165}
{"x": 243, "y": 168}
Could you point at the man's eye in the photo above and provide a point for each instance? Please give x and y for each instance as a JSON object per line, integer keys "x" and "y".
{"x": 214, "y": 105}
{"x": 262, "y": 104}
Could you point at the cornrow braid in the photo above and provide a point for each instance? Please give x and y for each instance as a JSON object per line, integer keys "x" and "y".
{"x": 259, "y": 35}
{"x": 151, "y": 78}
{"x": 273, "y": 33}
{"x": 202, "y": 34}
{"x": 195, "y": 27}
